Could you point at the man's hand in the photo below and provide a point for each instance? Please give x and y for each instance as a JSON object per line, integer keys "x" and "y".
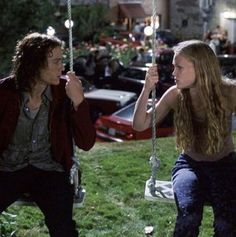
{"x": 74, "y": 89}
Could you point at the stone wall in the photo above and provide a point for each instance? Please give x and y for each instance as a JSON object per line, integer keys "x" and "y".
{"x": 185, "y": 19}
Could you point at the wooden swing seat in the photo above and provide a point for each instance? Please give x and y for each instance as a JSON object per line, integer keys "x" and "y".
{"x": 26, "y": 200}
{"x": 163, "y": 191}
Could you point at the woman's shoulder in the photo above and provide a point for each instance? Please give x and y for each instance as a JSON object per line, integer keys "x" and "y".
{"x": 172, "y": 92}
{"x": 170, "y": 97}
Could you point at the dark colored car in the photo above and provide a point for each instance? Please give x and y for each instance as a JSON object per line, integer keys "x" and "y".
{"x": 132, "y": 78}
{"x": 167, "y": 37}
{"x": 118, "y": 126}
{"x": 228, "y": 65}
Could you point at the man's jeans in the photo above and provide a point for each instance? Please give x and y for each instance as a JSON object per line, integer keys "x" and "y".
{"x": 51, "y": 191}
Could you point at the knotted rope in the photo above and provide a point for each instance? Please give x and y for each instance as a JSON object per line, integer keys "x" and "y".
{"x": 74, "y": 175}
{"x": 154, "y": 161}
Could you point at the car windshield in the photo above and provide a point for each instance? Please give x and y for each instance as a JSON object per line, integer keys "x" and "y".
{"x": 167, "y": 37}
{"x": 228, "y": 65}
{"x": 126, "y": 113}
{"x": 137, "y": 74}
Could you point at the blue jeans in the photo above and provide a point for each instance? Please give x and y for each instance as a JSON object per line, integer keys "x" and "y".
{"x": 197, "y": 183}
{"x": 51, "y": 191}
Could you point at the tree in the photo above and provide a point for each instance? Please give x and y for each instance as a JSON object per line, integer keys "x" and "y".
{"x": 90, "y": 21}
{"x": 17, "y": 18}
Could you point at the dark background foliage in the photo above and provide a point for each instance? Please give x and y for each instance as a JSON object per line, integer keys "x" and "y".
{"x": 19, "y": 17}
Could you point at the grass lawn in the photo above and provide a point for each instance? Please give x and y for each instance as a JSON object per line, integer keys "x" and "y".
{"x": 114, "y": 176}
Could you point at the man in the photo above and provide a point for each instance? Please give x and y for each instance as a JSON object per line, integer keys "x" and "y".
{"x": 40, "y": 117}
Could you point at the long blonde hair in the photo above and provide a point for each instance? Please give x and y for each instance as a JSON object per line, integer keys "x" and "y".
{"x": 206, "y": 137}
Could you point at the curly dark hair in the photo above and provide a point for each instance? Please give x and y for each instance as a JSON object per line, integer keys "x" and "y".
{"x": 30, "y": 57}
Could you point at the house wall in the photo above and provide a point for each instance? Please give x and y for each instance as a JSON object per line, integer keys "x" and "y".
{"x": 162, "y": 9}
{"x": 228, "y": 21}
{"x": 183, "y": 17}
{"x": 187, "y": 20}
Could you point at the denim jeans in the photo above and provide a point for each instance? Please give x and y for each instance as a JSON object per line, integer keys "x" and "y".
{"x": 197, "y": 183}
{"x": 51, "y": 191}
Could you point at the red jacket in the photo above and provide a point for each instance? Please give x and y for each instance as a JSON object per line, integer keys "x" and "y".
{"x": 64, "y": 121}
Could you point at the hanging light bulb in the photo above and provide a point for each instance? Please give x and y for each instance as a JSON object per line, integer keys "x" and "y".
{"x": 67, "y": 24}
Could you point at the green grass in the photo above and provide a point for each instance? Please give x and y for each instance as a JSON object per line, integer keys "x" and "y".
{"x": 114, "y": 176}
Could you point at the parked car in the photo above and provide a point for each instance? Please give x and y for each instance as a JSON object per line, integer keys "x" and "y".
{"x": 132, "y": 78}
{"x": 117, "y": 127}
{"x": 167, "y": 37}
{"x": 105, "y": 101}
{"x": 228, "y": 65}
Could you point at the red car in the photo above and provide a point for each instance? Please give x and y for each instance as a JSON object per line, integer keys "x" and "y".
{"x": 105, "y": 101}
{"x": 118, "y": 126}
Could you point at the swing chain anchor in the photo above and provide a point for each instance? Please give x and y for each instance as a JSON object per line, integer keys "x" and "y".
{"x": 155, "y": 164}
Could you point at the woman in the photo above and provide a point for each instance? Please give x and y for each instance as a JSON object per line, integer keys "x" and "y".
{"x": 203, "y": 104}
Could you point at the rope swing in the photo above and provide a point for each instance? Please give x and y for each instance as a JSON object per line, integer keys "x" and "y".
{"x": 79, "y": 192}
{"x": 70, "y": 34}
{"x": 156, "y": 189}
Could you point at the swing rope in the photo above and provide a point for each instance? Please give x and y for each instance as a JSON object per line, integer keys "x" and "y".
{"x": 70, "y": 34}
{"x": 79, "y": 192}
{"x": 156, "y": 189}
{"x": 155, "y": 163}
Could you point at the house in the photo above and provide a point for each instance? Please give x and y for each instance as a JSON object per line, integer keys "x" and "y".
{"x": 185, "y": 18}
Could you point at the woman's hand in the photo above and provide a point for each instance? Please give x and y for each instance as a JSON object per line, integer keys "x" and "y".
{"x": 151, "y": 78}
{"x": 74, "y": 89}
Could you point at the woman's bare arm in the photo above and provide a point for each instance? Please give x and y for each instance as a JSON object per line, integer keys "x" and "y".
{"x": 142, "y": 118}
